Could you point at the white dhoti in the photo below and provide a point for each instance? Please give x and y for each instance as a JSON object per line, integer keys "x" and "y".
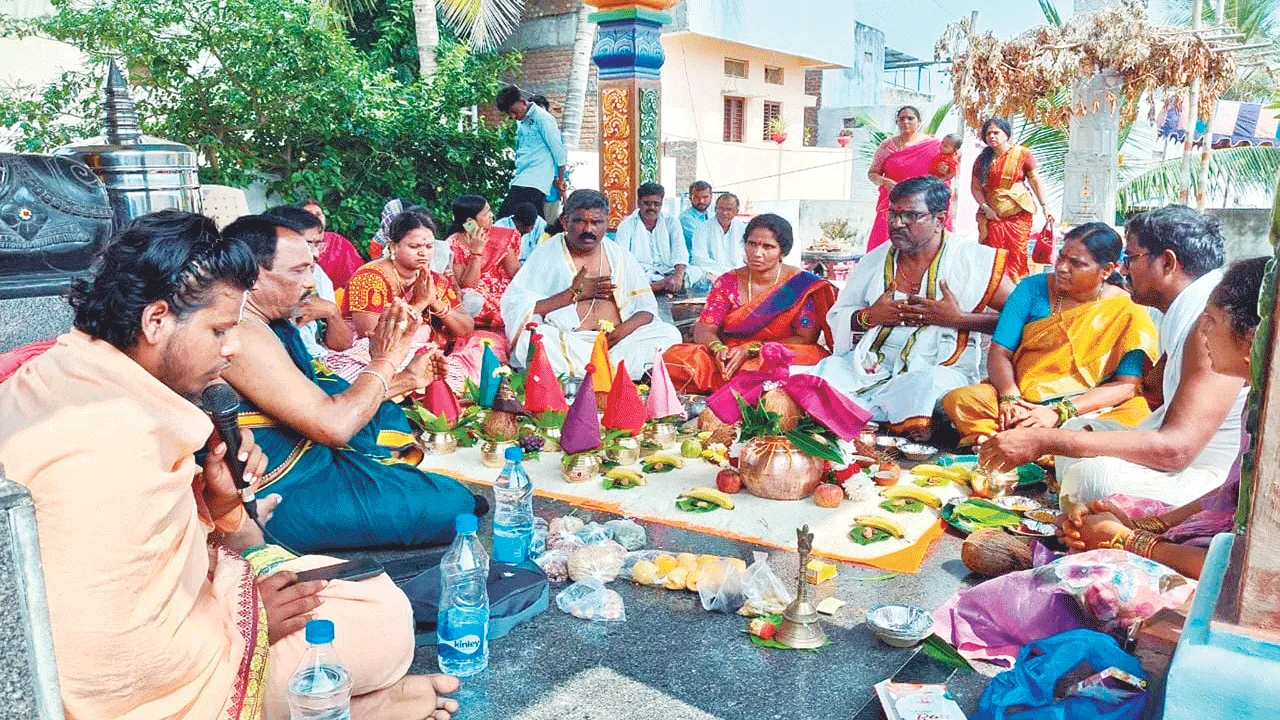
{"x": 549, "y": 270}
{"x": 1086, "y": 479}
{"x": 900, "y": 373}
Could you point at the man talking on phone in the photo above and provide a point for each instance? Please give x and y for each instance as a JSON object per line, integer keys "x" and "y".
{"x": 163, "y": 597}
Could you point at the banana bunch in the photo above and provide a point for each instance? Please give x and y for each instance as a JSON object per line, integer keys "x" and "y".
{"x": 909, "y": 492}
{"x": 621, "y": 478}
{"x": 658, "y": 463}
{"x": 867, "y": 526}
{"x": 702, "y": 493}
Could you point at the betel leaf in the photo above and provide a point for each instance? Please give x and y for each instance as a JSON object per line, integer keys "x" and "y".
{"x": 426, "y": 420}
{"x": 877, "y": 535}
{"x": 938, "y": 649}
{"x": 756, "y": 422}
{"x": 549, "y": 420}
{"x": 695, "y": 505}
{"x": 816, "y": 445}
{"x": 902, "y": 505}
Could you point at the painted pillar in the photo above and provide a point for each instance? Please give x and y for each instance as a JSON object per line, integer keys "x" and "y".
{"x": 1092, "y": 171}
{"x": 628, "y": 57}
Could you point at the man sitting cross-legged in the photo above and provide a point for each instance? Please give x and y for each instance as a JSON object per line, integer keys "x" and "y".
{"x": 573, "y": 281}
{"x": 342, "y": 456}
{"x": 154, "y": 611}
{"x": 923, "y": 300}
{"x": 1173, "y": 256}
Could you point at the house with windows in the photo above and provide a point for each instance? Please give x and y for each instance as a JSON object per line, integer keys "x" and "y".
{"x": 736, "y": 72}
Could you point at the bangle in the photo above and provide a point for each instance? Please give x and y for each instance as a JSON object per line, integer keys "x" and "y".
{"x": 264, "y": 559}
{"x": 382, "y": 359}
{"x": 1141, "y": 543}
{"x": 716, "y": 347}
{"x": 1151, "y": 524}
{"x": 862, "y": 318}
{"x": 386, "y": 386}
{"x": 753, "y": 349}
{"x": 1006, "y": 399}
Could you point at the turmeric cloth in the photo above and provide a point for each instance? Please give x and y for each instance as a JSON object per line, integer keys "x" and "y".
{"x": 149, "y": 618}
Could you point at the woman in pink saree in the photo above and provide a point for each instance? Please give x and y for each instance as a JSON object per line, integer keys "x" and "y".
{"x": 899, "y": 158}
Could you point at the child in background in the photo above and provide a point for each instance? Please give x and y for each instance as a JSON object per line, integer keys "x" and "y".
{"x": 946, "y": 164}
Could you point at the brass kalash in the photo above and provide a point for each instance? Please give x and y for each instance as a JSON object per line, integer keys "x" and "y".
{"x": 800, "y": 628}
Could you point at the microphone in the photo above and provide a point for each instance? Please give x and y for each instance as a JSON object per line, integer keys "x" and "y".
{"x": 222, "y": 403}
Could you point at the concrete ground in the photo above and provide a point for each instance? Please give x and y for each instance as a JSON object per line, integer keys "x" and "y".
{"x": 672, "y": 659}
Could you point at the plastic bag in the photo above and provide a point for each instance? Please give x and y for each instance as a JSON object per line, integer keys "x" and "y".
{"x": 627, "y": 533}
{"x": 539, "y": 543}
{"x": 593, "y": 533}
{"x": 720, "y": 587}
{"x": 764, "y": 591}
{"x": 601, "y": 561}
{"x": 555, "y": 563}
{"x": 589, "y": 599}
{"x": 567, "y": 542}
{"x": 567, "y": 524}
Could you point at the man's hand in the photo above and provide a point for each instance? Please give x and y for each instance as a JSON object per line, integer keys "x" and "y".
{"x": 885, "y": 310}
{"x": 393, "y": 335}
{"x": 288, "y": 603}
{"x": 593, "y": 287}
{"x": 316, "y": 308}
{"x": 923, "y": 311}
{"x": 418, "y": 374}
{"x": 1011, "y": 448}
{"x": 220, "y": 493}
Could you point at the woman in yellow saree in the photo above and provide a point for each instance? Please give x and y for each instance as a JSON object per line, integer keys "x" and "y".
{"x": 765, "y": 301}
{"x": 1066, "y": 344}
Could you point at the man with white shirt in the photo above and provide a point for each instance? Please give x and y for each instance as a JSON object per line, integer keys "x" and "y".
{"x": 656, "y": 241}
{"x": 718, "y": 243}
{"x": 318, "y": 317}
{"x": 1173, "y": 256}
{"x": 529, "y": 223}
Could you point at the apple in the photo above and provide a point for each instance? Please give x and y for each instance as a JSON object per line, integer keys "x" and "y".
{"x": 828, "y": 495}
{"x": 729, "y": 482}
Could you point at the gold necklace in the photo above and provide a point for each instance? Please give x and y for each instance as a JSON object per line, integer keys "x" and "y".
{"x": 750, "y": 287}
{"x": 1055, "y": 304}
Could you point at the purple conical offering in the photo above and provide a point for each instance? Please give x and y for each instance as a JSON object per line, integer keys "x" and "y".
{"x": 581, "y": 430}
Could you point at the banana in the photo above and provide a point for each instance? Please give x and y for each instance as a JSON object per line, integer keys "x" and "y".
{"x": 662, "y": 458}
{"x": 879, "y": 523}
{"x": 913, "y": 493}
{"x": 626, "y": 475}
{"x": 709, "y": 494}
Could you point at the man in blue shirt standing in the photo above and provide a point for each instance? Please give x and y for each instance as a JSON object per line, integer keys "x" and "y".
{"x": 540, "y": 153}
{"x": 696, "y": 213}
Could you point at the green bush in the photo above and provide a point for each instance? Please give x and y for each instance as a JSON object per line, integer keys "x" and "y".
{"x": 276, "y": 90}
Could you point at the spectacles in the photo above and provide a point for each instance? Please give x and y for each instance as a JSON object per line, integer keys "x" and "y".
{"x": 1130, "y": 258}
{"x": 907, "y": 218}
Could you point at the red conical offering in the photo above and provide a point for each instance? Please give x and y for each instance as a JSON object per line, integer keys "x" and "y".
{"x": 441, "y": 402}
{"x": 542, "y": 391}
{"x": 581, "y": 430}
{"x": 624, "y": 410}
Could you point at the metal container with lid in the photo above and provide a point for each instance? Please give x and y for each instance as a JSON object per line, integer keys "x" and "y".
{"x": 142, "y": 174}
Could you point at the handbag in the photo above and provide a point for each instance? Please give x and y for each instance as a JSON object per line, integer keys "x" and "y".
{"x": 1042, "y": 244}
{"x": 1027, "y": 691}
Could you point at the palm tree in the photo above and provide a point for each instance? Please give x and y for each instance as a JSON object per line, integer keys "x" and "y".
{"x": 484, "y": 24}
{"x": 575, "y": 100}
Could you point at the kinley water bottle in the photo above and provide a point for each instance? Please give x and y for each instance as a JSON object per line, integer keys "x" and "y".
{"x": 462, "y": 626}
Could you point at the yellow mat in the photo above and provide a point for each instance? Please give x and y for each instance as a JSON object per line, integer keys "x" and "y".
{"x": 771, "y": 523}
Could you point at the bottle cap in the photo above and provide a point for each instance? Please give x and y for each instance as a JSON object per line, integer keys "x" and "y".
{"x": 514, "y": 454}
{"x": 466, "y": 523}
{"x": 319, "y": 632}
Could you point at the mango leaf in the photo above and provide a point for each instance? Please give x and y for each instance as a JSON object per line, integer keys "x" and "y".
{"x": 816, "y": 445}
{"x": 938, "y": 649}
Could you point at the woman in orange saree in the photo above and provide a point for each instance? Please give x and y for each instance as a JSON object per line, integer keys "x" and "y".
{"x": 766, "y": 301}
{"x": 1001, "y": 176}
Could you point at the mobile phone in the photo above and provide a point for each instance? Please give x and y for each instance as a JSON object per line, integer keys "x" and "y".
{"x": 357, "y": 569}
{"x": 471, "y": 226}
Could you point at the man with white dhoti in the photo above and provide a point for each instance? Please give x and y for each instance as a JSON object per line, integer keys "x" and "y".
{"x": 923, "y": 300}
{"x": 719, "y": 243}
{"x": 574, "y": 281}
{"x": 1185, "y": 448}
{"x": 657, "y": 242}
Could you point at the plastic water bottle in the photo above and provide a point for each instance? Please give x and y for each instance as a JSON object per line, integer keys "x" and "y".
{"x": 320, "y": 689}
{"x": 513, "y": 511}
{"x": 462, "y": 625}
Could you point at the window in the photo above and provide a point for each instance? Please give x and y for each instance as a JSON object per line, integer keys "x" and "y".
{"x": 772, "y": 75}
{"x": 734, "y": 118}
{"x": 735, "y": 68}
{"x": 772, "y": 111}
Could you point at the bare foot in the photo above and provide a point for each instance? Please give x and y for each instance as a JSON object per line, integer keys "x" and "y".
{"x": 413, "y": 697}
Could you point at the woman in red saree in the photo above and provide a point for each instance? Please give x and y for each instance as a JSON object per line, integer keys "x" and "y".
{"x": 485, "y": 257}
{"x": 764, "y": 302}
{"x": 1001, "y": 176}
{"x": 899, "y": 158}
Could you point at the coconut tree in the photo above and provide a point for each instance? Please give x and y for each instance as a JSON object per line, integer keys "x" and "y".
{"x": 575, "y": 100}
{"x": 484, "y": 24}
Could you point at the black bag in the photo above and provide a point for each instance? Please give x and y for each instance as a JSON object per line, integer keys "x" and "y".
{"x": 516, "y": 593}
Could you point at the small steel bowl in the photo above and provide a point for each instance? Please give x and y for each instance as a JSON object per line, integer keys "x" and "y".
{"x": 918, "y": 452}
{"x": 900, "y": 625}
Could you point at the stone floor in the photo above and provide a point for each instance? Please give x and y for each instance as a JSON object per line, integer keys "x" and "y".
{"x": 671, "y": 659}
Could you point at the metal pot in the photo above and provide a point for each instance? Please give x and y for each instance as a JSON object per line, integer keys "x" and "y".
{"x": 437, "y": 443}
{"x": 582, "y": 468}
{"x": 663, "y": 434}
{"x": 625, "y": 451}
{"x": 493, "y": 454}
{"x": 771, "y": 467}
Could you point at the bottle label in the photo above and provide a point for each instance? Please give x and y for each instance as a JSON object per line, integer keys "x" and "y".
{"x": 465, "y": 645}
